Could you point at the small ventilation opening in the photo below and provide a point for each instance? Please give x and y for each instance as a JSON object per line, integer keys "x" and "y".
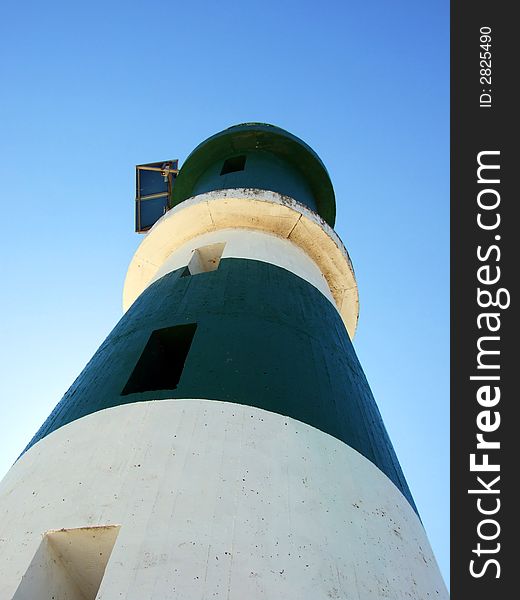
{"x": 205, "y": 259}
{"x": 233, "y": 164}
{"x": 161, "y": 364}
{"x": 69, "y": 563}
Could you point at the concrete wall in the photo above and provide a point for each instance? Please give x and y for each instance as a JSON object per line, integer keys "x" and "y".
{"x": 217, "y": 500}
{"x": 254, "y": 245}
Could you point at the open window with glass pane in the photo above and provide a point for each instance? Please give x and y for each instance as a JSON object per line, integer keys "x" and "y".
{"x": 154, "y": 184}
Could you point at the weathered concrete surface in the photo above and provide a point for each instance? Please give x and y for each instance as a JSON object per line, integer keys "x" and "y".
{"x": 217, "y": 500}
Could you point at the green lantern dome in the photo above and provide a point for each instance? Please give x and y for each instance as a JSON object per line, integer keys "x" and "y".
{"x": 259, "y": 156}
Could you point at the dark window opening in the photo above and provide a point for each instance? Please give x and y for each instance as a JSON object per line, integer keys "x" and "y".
{"x": 162, "y": 361}
{"x": 236, "y": 163}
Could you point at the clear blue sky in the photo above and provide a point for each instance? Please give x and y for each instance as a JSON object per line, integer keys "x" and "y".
{"x": 91, "y": 89}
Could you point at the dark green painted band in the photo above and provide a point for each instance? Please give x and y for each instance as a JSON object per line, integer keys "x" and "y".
{"x": 263, "y": 171}
{"x": 264, "y": 337}
{"x": 276, "y": 160}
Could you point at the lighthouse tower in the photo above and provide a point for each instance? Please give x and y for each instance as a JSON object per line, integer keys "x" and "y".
{"x": 223, "y": 441}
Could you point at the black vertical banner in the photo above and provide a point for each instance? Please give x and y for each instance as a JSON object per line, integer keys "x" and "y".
{"x": 485, "y": 252}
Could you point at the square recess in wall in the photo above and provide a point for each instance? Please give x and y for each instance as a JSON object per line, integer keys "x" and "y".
{"x": 204, "y": 259}
{"x": 69, "y": 563}
{"x": 162, "y": 361}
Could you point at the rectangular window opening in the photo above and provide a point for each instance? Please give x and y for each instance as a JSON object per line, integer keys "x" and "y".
{"x": 205, "y": 259}
{"x": 69, "y": 563}
{"x": 233, "y": 164}
{"x": 162, "y": 361}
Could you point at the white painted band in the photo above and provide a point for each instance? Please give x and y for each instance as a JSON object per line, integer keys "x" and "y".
{"x": 251, "y": 209}
{"x": 216, "y": 500}
{"x": 253, "y": 245}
